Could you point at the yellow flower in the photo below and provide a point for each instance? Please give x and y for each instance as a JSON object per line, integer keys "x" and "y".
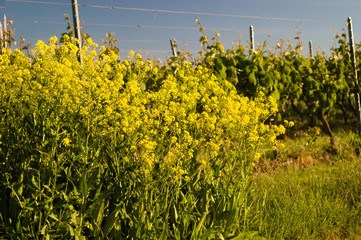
{"x": 66, "y": 142}
{"x": 257, "y": 156}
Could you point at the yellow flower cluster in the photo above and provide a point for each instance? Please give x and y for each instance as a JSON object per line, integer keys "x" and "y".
{"x": 160, "y": 120}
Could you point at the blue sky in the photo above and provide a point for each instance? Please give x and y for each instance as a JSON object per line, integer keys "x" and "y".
{"x": 315, "y": 19}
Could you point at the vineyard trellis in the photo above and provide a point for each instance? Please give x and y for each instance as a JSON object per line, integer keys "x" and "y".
{"x": 156, "y": 10}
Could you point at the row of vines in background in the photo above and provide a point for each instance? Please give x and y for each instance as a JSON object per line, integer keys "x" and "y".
{"x": 309, "y": 88}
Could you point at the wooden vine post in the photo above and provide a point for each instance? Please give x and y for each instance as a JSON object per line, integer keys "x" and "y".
{"x": 1, "y": 39}
{"x": 77, "y": 27}
{"x": 5, "y": 32}
{"x": 251, "y": 36}
{"x": 174, "y": 48}
{"x": 310, "y": 48}
{"x": 353, "y": 59}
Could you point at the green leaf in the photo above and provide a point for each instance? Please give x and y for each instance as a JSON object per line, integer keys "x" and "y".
{"x": 175, "y": 213}
{"x": 53, "y": 216}
{"x": 109, "y": 224}
{"x": 252, "y": 79}
{"x": 247, "y": 236}
{"x": 165, "y": 231}
{"x": 71, "y": 230}
{"x": 43, "y": 229}
{"x": 209, "y": 234}
{"x": 93, "y": 177}
{"x": 98, "y": 216}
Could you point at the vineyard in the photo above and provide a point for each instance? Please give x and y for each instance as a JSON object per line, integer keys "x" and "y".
{"x": 135, "y": 149}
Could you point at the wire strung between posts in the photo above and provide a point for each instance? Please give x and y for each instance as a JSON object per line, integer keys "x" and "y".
{"x": 163, "y": 27}
{"x": 133, "y": 26}
{"x": 177, "y": 12}
{"x": 153, "y": 41}
{"x": 28, "y": 1}
{"x": 156, "y": 51}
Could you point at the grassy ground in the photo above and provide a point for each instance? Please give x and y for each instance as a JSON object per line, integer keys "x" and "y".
{"x": 311, "y": 191}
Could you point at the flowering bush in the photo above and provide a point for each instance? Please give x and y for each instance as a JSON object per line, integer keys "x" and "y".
{"x": 123, "y": 149}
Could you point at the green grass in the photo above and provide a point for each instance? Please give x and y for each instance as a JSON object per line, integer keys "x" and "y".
{"x": 310, "y": 192}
